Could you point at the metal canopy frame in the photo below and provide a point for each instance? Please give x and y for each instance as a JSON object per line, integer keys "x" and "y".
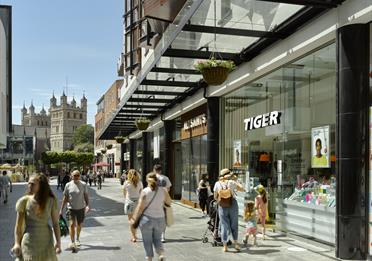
{"x": 155, "y": 98}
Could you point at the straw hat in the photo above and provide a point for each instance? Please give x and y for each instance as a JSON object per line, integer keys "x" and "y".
{"x": 224, "y": 172}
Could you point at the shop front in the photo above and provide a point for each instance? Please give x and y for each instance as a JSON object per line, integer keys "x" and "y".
{"x": 190, "y": 152}
{"x": 279, "y": 131}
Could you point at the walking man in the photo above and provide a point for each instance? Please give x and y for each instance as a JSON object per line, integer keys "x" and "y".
{"x": 5, "y": 182}
{"x": 76, "y": 197}
{"x": 163, "y": 181}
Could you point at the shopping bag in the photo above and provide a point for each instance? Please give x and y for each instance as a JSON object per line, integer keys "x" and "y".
{"x": 63, "y": 227}
{"x": 169, "y": 221}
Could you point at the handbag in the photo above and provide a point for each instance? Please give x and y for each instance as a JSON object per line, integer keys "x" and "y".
{"x": 168, "y": 211}
{"x": 63, "y": 227}
{"x": 138, "y": 219}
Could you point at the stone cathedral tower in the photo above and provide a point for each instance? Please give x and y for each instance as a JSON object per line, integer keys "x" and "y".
{"x": 65, "y": 119}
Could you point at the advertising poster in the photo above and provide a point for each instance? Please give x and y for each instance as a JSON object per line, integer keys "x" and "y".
{"x": 320, "y": 147}
{"x": 237, "y": 153}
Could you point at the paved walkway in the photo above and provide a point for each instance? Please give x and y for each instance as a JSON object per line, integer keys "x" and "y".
{"x": 106, "y": 235}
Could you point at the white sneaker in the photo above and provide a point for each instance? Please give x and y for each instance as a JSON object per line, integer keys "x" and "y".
{"x": 72, "y": 246}
{"x": 163, "y": 239}
{"x": 77, "y": 243}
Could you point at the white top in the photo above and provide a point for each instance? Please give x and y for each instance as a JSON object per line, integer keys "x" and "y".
{"x": 155, "y": 209}
{"x": 232, "y": 185}
{"x": 132, "y": 191}
{"x": 75, "y": 194}
{"x": 163, "y": 181}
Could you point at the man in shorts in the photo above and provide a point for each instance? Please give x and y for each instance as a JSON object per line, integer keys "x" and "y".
{"x": 163, "y": 181}
{"x": 5, "y": 183}
{"x": 76, "y": 197}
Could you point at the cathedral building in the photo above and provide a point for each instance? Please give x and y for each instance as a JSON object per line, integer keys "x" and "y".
{"x": 32, "y": 119}
{"x": 65, "y": 119}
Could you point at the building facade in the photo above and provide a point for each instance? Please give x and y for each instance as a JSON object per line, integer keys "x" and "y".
{"x": 294, "y": 116}
{"x": 32, "y": 119}
{"x": 5, "y": 73}
{"x": 25, "y": 144}
{"x": 65, "y": 118}
{"x": 107, "y": 105}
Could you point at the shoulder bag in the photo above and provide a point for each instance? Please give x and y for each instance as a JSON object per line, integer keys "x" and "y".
{"x": 168, "y": 211}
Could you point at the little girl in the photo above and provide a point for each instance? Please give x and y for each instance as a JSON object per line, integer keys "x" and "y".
{"x": 251, "y": 225}
{"x": 261, "y": 206}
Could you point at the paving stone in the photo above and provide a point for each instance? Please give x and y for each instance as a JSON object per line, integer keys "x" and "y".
{"x": 106, "y": 236}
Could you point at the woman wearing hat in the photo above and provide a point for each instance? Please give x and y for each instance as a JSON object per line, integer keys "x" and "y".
{"x": 224, "y": 193}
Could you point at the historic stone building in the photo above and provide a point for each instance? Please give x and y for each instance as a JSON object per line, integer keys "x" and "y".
{"x": 32, "y": 119}
{"x": 65, "y": 119}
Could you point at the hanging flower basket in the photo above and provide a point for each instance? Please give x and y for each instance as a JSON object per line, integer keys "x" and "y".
{"x": 103, "y": 151}
{"x": 215, "y": 72}
{"x": 142, "y": 123}
{"x": 119, "y": 139}
{"x": 109, "y": 146}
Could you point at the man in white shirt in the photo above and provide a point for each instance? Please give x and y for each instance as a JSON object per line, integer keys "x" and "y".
{"x": 77, "y": 199}
{"x": 5, "y": 183}
{"x": 163, "y": 181}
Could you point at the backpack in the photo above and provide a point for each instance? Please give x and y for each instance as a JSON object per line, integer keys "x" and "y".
{"x": 225, "y": 197}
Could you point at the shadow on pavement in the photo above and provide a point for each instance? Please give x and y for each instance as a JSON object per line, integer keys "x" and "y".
{"x": 182, "y": 240}
{"x": 260, "y": 251}
{"x": 85, "y": 247}
{"x": 201, "y": 217}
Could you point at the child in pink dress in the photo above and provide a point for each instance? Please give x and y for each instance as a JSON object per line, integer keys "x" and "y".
{"x": 261, "y": 206}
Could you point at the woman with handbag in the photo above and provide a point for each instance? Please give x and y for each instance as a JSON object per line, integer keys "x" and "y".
{"x": 150, "y": 217}
{"x": 132, "y": 189}
{"x": 33, "y": 236}
{"x": 224, "y": 193}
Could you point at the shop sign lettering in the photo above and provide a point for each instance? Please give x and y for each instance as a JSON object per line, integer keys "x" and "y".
{"x": 195, "y": 122}
{"x": 262, "y": 121}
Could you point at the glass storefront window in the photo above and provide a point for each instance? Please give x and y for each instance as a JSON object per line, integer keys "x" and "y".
{"x": 138, "y": 155}
{"x": 282, "y": 157}
{"x": 193, "y": 165}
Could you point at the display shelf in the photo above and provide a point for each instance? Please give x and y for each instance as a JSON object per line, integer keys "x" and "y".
{"x": 317, "y": 221}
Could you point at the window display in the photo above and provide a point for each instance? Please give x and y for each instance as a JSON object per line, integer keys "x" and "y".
{"x": 315, "y": 193}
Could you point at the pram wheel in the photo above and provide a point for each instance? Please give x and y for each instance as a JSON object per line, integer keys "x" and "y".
{"x": 205, "y": 240}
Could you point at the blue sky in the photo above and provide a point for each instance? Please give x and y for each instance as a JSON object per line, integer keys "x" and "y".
{"x": 53, "y": 40}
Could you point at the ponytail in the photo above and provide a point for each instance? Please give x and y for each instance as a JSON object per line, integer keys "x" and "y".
{"x": 152, "y": 181}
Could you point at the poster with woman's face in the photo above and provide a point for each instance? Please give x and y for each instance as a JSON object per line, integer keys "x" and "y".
{"x": 320, "y": 147}
{"x": 237, "y": 153}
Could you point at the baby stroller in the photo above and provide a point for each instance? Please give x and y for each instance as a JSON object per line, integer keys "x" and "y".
{"x": 213, "y": 223}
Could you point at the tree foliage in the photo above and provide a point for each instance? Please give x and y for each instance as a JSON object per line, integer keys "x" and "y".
{"x": 84, "y": 134}
{"x": 81, "y": 159}
{"x": 84, "y": 147}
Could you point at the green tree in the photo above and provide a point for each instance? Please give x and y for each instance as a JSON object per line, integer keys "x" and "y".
{"x": 84, "y": 134}
{"x": 84, "y": 147}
